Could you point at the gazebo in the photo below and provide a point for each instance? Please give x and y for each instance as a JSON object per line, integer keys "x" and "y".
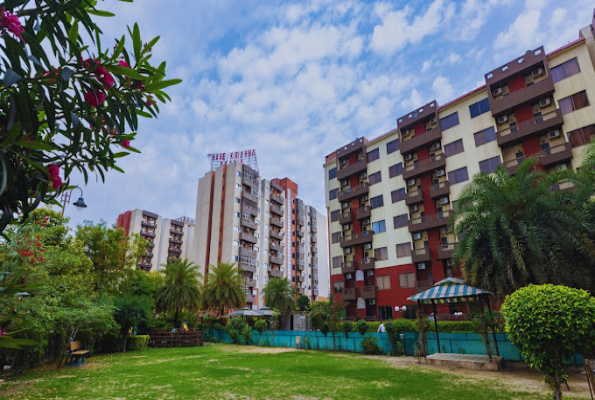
{"x": 452, "y": 290}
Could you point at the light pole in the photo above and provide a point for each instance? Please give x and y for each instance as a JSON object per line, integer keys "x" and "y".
{"x": 79, "y": 204}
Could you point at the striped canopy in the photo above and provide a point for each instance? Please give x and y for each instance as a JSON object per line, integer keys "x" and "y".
{"x": 449, "y": 290}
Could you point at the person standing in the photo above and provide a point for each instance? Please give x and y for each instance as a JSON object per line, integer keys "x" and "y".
{"x": 381, "y": 328}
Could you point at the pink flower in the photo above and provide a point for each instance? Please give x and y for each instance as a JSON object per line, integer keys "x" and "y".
{"x": 87, "y": 62}
{"x": 104, "y": 76}
{"x": 123, "y": 63}
{"x": 125, "y": 144}
{"x": 95, "y": 98}
{"x": 54, "y": 173}
{"x": 11, "y": 22}
{"x": 150, "y": 101}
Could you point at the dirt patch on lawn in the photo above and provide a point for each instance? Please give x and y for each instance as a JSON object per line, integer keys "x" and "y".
{"x": 257, "y": 349}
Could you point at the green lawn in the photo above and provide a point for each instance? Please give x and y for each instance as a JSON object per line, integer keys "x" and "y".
{"x": 226, "y": 371}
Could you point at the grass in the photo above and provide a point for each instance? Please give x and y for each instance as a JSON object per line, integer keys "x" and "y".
{"x": 227, "y": 371}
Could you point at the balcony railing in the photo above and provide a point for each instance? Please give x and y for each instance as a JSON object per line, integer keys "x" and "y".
{"x": 300, "y": 232}
{"x": 520, "y": 97}
{"x": 346, "y": 217}
{"x": 250, "y": 182}
{"x": 348, "y": 267}
{"x": 276, "y": 186}
{"x": 367, "y": 263}
{"x": 248, "y": 224}
{"x": 421, "y": 140}
{"x": 421, "y": 286}
{"x": 424, "y": 166}
{"x": 275, "y": 246}
{"x": 247, "y": 265}
{"x": 277, "y": 222}
{"x": 513, "y": 165}
{"x": 421, "y": 255}
{"x": 250, "y": 298}
{"x": 277, "y": 210}
{"x": 349, "y": 294}
{"x": 248, "y": 252}
{"x": 278, "y": 199}
{"x": 412, "y": 198}
{"x": 301, "y": 279}
{"x": 356, "y": 146}
{"x": 275, "y": 259}
{"x": 275, "y": 234}
{"x": 353, "y": 192}
{"x": 369, "y": 292}
{"x": 429, "y": 221}
{"x": 357, "y": 239}
{"x": 440, "y": 189}
{"x": 175, "y": 250}
{"x": 556, "y": 155}
{"x": 249, "y": 196}
{"x": 363, "y": 212}
{"x": 446, "y": 251}
{"x": 248, "y": 237}
{"x": 147, "y": 234}
{"x": 250, "y": 282}
{"x": 275, "y": 274}
{"x": 516, "y": 134}
{"x": 314, "y": 250}
{"x": 249, "y": 209}
{"x": 352, "y": 169}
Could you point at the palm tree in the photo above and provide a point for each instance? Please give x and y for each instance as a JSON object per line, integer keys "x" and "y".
{"x": 181, "y": 289}
{"x": 224, "y": 288}
{"x": 516, "y": 230}
{"x": 278, "y": 294}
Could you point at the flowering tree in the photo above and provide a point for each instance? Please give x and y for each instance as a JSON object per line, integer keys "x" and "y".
{"x": 67, "y": 102}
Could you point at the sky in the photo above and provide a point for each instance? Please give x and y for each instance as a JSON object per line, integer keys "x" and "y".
{"x": 296, "y": 80}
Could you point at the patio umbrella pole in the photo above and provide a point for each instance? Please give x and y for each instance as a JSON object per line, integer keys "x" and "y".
{"x": 493, "y": 328}
{"x": 436, "y": 325}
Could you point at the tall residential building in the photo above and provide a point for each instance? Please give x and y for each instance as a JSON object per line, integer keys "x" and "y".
{"x": 169, "y": 239}
{"x": 389, "y": 199}
{"x": 264, "y": 228}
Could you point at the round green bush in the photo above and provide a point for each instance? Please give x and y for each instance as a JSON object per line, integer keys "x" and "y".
{"x": 361, "y": 327}
{"x": 370, "y": 345}
{"x": 403, "y": 325}
{"x": 138, "y": 342}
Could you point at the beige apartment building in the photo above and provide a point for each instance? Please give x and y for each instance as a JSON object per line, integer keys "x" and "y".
{"x": 264, "y": 228}
{"x": 169, "y": 239}
{"x": 389, "y": 199}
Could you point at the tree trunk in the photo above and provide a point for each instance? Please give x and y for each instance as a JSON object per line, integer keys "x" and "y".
{"x": 176, "y": 316}
{"x": 125, "y": 339}
{"x": 558, "y": 387}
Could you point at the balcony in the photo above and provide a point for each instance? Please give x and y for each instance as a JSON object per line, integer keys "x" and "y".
{"x": 513, "y": 165}
{"x": 250, "y": 282}
{"x": 521, "y": 97}
{"x": 425, "y": 112}
{"x": 301, "y": 265}
{"x": 421, "y": 140}
{"x": 277, "y": 222}
{"x": 314, "y": 292}
{"x": 348, "y": 267}
{"x": 313, "y": 238}
{"x": 413, "y": 198}
{"x": 446, "y": 251}
{"x": 421, "y": 286}
{"x": 300, "y": 232}
{"x": 276, "y": 186}
{"x": 174, "y": 250}
{"x": 249, "y": 196}
{"x": 248, "y": 237}
{"x": 367, "y": 263}
{"x": 275, "y": 273}
{"x": 250, "y": 298}
{"x": 248, "y": 181}
{"x": 301, "y": 221}
{"x": 356, "y": 146}
{"x": 275, "y": 234}
{"x": 363, "y": 212}
{"x": 149, "y": 224}
{"x": 421, "y": 255}
{"x": 301, "y": 279}
{"x": 248, "y": 224}
{"x": 151, "y": 245}
{"x": 175, "y": 241}
{"x": 429, "y": 221}
{"x": 369, "y": 292}
{"x": 511, "y": 136}
{"x": 556, "y": 155}
{"x": 249, "y": 209}
{"x": 277, "y": 210}
{"x": 349, "y": 294}
{"x": 278, "y": 199}
{"x": 314, "y": 266}
{"x": 357, "y": 239}
{"x": 278, "y": 259}
{"x": 247, "y": 265}
{"x": 147, "y": 234}
{"x": 440, "y": 190}
{"x": 425, "y": 166}
{"x": 313, "y": 228}
{"x": 345, "y": 217}
{"x": 144, "y": 266}
{"x": 275, "y": 246}
{"x": 248, "y": 252}
{"x": 352, "y": 169}
{"x": 353, "y": 192}
{"x": 314, "y": 259}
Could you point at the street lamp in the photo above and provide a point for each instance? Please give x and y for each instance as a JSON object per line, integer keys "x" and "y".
{"x": 79, "y": 204}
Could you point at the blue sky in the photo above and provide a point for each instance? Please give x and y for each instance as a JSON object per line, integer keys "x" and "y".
{"x": 296, "y": 80}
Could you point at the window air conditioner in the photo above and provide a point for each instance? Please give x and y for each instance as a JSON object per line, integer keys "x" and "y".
{"x": 365, "y": 198}
{"x": 346, "y": 227}
{"x": 444, "y": 200}
{"x": 497, "y": 92}
{"x": 372, "y": 302}
{"x": 368, "y": 246}
{"x": 363, "y": 175}
{"x": 537, "y": 72}
{"x": 432, "y": 120}
{"x": 545, "y": 102}
{"x": 440, "y": 172}
{"x": 562, "y": 167}
{"x": 449, "y": 263}
{"x": 436, "y": 146}
{"x": 344, "y": 163}
{"x": 406, "y": 133}
{"x": 416, "y": 236}
{"x": 503, "y": 119}
{"x": 414, "y": 208}
{"x": 421, "y": 266}
{"x": 348, "y": 276}
{"x": 411, "y": 182}
{"x": 344, "y": 182}
{"x": 408, "y": 157}
{"x": 348, "y": 250}
{"x": 371, "y": 272}
{"x": 345, "y": 205}
{"x": 553, "y": 134}
{"x": 367, "y": 221}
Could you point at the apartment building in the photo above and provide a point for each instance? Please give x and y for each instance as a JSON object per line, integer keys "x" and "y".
{"x": 389, "y": 199}
{"x": 263, "y": 227}
{"x": 168, "y": 238}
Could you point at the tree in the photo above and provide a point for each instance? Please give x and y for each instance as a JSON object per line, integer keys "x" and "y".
{"x": 302, "y": 303}
{"x": 549, "y": 324}
{"x": 76, "y": 107}
{"x": 278, "y": 294}
{"x": 131, "y": 311}
{"x": 224, "y": 288}
{"x": 260, "y": 326}
{"x": 181, "y": 289}
{"x": 516, "y": 230}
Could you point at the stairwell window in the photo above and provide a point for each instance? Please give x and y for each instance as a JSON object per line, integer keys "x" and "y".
{"x": 393, "y": 146}
{"x": 449, "y": 121}
{"x": 373, "y": 155}
{"x": 459, "y": 175}
{"x": 400, "y": 221}
{"x": 479, "y": 108}
{"x": 381, "y": 254}
{"x": 332, "y": 173}
{"x": 404, "y": 250}
{"x": 572, "y": 103}
{"x": 565, "y": 70}
{"x": 485, "y": 136}
{"x": 375, "y": 178}
{"x": 376, "y": 202}
{"x": 333, "y": 194}
{"x": 379, "y": 226}
{"x": 581, "y": 136}
{"x": 490, "y": 165}
{"x": 395, "y": 170}
{"x": 453, "y": 148}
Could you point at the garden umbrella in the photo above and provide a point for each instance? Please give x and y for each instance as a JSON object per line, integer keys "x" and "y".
{"x": 246, "y": 312}
{"x": 265, "y": 311}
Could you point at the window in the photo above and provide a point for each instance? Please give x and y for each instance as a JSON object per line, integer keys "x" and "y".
{"x": 337, "y": 287}
{"x": 383, "y": 282}
{"x": 449, "y": 121}
{"x": 335, "y": 215}
{"x": 236, "y": 228}
{"x": 375, "y": 178}
{"x": 393, "y": 146}
{"x": 488, "y": 166}
{"x": 453, "y": 148}
{"x": 332, "y": 173}
{"x": 395, "y": 170}
{"x": 574, "y": 102}
{"x": 236, "y": 258}
{"x": 381, "y": 254}
{"x": 237, "y": 200}
{"x": 238, "y": 186}
{"x": 376, "y": 202}
{"x": 397, "y": 195}
{"x": 379, "y": 226}
{"x": 565, "y": 70}
{"x": 337, "y": 261}
{"x": 235, "y": 243}
{"x": 256, "y": 249}
{"x": 373, "y": 155}
{"x": 407, "y": 280}
{"x": 485, "y": 136}
{"x": 459, "y": 175}
{"x": 385, "y": 312}
{"x": 581, "y": 136}
{"x": 239, "y": 174}
{"x": 333, "y": 194}
{"x": 237, "y": 214}
{"x": 336, "y": 237}
{"x": 400, "y": 221}
{"x": 479, "y": 108}
{"x": 403, "y": 250}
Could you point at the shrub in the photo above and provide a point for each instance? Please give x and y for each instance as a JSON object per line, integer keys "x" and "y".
{"x": 138, "y": 342}
{"x": 404, "y": 325}
{"x": 246, "y": 333}
{"x": 361, "y": 327}
{"x": 549, "y": 324}
{"x": 370, "y": 345}
{"x": 373, "y": 326}
{"x": 347, "y": 327}
{"x": 455, "y": 326}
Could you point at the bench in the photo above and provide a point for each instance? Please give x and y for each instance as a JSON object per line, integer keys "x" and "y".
{"x": 76, "y": 356}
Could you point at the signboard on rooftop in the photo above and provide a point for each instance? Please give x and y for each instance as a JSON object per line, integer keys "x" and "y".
{"x": 247, "y": 157}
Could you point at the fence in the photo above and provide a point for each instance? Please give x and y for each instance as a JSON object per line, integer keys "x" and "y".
{"x": 176, "y": 339}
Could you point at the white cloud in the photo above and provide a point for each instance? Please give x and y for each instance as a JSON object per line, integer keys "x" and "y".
{"x": 522, "y": 34}
{"x": 443, "y": 90}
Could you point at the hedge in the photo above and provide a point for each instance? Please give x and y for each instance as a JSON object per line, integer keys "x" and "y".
{"x": 408, "y": 325}
{"x": 137, "y": 342}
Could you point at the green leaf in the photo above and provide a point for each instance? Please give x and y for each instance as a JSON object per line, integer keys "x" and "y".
{"x": 136, "y": 42}
{"x": 119, "y": 47}
{"x": 101, "y": 13}
{"x": 162, "y": 84}
{"x": 143, "y": 114}
{"x": 10, "y": 78}
{"x": 120, "y": 154}
{"x": 129, "y": 72}
{"x": 34, "y": 145}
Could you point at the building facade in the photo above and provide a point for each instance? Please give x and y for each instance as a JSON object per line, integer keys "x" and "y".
{"x": 168, "y": 239}
{"x": 264, "y": 228}
{"x": 389, "y": 200}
